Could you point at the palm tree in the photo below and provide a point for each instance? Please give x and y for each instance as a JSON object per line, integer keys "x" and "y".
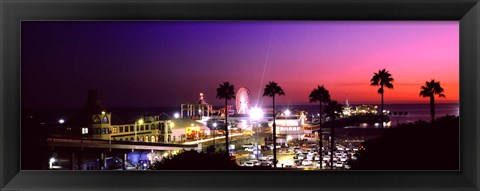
{"x": 429, "y": 90}
{"x": 382, "y": 79}
{"x": 322, "y": 96}
{"x": 272, "y": 89}
{"x": 226, "y": 91}
{"x": 333, "y": 111}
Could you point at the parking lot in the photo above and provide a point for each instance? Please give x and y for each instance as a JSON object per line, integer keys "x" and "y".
{"x": 300, "y": 155}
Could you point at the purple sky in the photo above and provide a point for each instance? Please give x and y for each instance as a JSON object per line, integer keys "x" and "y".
{"x": 167, "y": 63}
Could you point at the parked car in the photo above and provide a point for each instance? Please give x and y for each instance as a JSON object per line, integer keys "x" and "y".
{"x": 290, "y": 166}
{"x": 250, "y": 145}
{"x": 324, "y": 164}
{"x": 310, "y": 156}
{"x": 347, "y": 166}
{"x": 269, "y": 157}
{"x": 248, "y": 163}
{"x": 263, "y": 158}
{"x": 255, "y": 162}
{"x": 271, "y": 146}
{"x": 266, "y": 163}
{"x": 339, "y": 164}
{"x": 326, "y": 158}
{"x": 307, "y": 162}
{"x": 300, "y": 157}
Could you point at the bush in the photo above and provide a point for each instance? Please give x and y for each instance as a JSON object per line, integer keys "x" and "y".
{"x": 414, "y": 146}
{"x": 193, "y": 160}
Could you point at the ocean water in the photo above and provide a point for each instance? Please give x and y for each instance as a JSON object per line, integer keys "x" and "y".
{"x": 415, "y": 112}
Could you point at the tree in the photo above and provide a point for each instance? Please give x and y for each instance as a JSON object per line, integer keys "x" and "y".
{"x": 272, "y": 89}
{"x": 430, "y": 89}
{"x": 382, "y": 79}
{"x": 321, "y": 95}
{"x": 392, "y": 151}
{"x": 333, "y": 111}
{"x": 207, "y": 159}
{"x": 226, "y": 91}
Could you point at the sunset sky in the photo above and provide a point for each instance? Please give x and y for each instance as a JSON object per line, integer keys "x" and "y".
{"x": 166, "y": 63}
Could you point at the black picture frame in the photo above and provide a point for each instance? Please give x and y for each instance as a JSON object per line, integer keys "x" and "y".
{"x": 13, "y": 12}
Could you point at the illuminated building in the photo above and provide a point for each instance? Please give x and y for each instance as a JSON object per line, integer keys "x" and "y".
{"x": 200, "y": 109}
{"x": 185, "y": 129}
{"x": 365, "y": 109}
{"x": 96, "y": 122}
{"x": 294, "y": 126}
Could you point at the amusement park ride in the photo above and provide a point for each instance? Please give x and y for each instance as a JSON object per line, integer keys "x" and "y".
{"x": 243, "y": 100}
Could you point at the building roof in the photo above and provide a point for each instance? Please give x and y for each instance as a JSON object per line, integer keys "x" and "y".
{"x": 164, "y": 116}
{"x": 93, "y": 106}
{"x": 185, "y": 122}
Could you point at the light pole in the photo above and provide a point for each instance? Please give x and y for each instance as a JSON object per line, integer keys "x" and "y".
{"x": 287, "y": 114}
{"x": 255, "y": 115}
{"x": 140, "y": 122}
{"x": 214, "y": 135}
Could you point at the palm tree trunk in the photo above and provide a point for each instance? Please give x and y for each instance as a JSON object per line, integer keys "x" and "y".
{"x": 381, "y": 112}
{"x": 274, "y": 136}
{"x": 226, "y": 126}
{"x": 320, "y": 143}
{"x": 320, "y": 110}
{"x": 332, "y": 143}
{"x": 214, "y": 145}
{"x": 432, "y": 107}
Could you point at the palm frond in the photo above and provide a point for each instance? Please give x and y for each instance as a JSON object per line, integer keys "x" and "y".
{"x": 431, "y": 88}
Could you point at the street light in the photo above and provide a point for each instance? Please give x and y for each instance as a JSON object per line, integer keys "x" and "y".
{"x": 61, "y": 121}
{"x": 52, "y": 160}
{"x": 255, "y": 115}
{"x": 140, "y": 122}
{"x": 176, "y": 115}
{"x": 287, "y": 112}
{"x": 214, "y": 135}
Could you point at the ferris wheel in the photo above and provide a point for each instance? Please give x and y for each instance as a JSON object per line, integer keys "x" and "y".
{"x": 243, "y": 100}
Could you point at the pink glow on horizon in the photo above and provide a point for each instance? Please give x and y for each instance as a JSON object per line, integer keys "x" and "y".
{"x": 413, "y": 52}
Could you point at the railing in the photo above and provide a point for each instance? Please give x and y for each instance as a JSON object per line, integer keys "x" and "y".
{"x": 99, "y": 141}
